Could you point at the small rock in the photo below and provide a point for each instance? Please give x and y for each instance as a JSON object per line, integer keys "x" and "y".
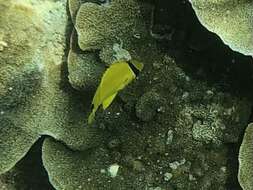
{"x": 176, "y": 164}
{"x": 167, "y": 176}
{"x": 169, "y": 137}
{"x": 191, "y": 177}
{"x": 113, "y": 170}
{"x": 2, "y": 45}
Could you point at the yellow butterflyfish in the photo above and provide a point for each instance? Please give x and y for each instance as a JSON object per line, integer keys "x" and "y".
{"x": 115, "y": 78}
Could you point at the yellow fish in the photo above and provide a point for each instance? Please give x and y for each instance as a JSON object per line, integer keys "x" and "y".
{"x": 115, "y": 78}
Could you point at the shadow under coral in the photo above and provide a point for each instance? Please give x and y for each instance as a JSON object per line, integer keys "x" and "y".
{"x": 28, "y": 173}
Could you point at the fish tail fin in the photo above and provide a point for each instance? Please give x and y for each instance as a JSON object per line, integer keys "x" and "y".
{"x": 92, "y": 116}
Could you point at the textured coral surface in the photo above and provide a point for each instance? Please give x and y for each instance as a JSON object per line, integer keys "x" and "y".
{"x": 245, "y": 158}
{"x": 231, "y": 20}
{"x": 36, "y": 98}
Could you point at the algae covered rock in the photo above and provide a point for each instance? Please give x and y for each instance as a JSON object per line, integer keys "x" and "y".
{"x": 148, "y": 106}
{"x": 245, "y": 174}
{"x": 231, "y": 20}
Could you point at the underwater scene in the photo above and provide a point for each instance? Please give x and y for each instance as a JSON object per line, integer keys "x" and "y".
{"x": 126, "y": 94}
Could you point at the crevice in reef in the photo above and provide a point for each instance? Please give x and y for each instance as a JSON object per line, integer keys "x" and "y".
{"x": 201, "y": 53}
{"x": 29, "y": 172}
{"x": 204, "y": 56}
{"x": 64, "y": 68}
{"x": 233, "y": 163}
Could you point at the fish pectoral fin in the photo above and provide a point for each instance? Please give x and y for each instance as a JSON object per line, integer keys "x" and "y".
{"x": 108, "y": 101}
